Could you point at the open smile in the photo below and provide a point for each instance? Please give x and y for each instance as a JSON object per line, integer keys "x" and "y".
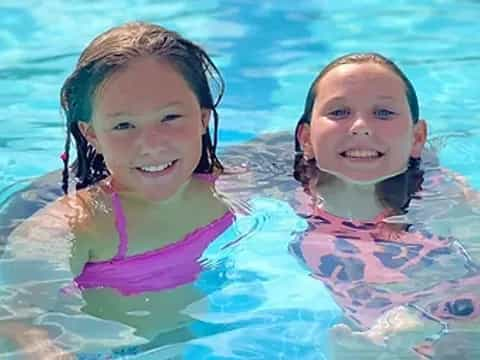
{"x": 157, "y": 169}
{"x": 362, "y": 154}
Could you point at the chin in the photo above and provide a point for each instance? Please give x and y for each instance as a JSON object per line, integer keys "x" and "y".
{"x": 365, "y": 176}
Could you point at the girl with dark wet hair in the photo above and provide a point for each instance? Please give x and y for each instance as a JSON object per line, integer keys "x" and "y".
{"x": 140, "y": 205}
{"x": 358, "y": 147}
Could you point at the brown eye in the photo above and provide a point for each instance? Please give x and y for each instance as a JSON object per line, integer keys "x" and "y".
{"x": 124, "y": 126}
{"x": 171, "y": 117}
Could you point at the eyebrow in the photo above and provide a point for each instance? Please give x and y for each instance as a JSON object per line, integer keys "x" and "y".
{"x": 155, "y": 110}
{"x": 383, "y": 97}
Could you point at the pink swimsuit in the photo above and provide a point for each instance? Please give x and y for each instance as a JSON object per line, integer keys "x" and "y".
{"x": 160, "y": 269}
{"x": 363, "y": 263}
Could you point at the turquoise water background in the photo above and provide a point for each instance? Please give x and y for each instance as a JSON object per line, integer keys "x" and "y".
{"x": 268, "y": 51}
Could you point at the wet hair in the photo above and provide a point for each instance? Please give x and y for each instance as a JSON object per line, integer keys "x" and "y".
{"x": 396, "y": 192}
{"x": 112, "y": 51}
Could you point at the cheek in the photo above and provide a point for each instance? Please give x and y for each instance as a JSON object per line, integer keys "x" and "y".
{"x": 117, "y": 143}
{"x": 399, "y": 127}
{"x": 190, "y": 136}
{"x": 195, "y": 148}
{"x": 395, "y": 132}
{"x": 323, "y": 136}
{"x": 115, "y": 149}
{"x": 184, "y": 134}
{"x": 399, "y": 137}
{"x": 400, "y": 151}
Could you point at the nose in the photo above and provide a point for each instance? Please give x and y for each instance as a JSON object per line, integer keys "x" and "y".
{"x": 361, "y": 126}
{"x": 153, "y": 138}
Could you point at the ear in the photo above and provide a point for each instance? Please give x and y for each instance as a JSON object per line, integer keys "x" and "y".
{"x": 303, "y": 137}
{"x": 419, "y": 138}
{"x": 205, "y": 119}
{"x": 89, "y": 134}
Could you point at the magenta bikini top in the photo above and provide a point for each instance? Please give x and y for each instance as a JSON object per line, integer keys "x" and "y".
{"x": 159, "y": 269}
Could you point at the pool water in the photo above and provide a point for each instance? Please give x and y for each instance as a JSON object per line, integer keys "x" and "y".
{"x": 268, "y": 52}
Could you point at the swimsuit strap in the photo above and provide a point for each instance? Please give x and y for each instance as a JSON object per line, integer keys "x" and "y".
{"x": 121, "y": 226}
{"x": 121, "y": 220}
{"x": 208, "y": 177}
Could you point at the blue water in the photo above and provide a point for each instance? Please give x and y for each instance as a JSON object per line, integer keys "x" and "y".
{"x": 268, "y": 52}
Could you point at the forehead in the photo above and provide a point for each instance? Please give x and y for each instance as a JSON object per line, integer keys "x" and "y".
{"x": 144, "y": 84}
{"x": 361, "y": 77}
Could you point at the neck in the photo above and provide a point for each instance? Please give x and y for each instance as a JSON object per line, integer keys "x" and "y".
{"x": 137, "y": 202}
{"x": 353, "y": 201}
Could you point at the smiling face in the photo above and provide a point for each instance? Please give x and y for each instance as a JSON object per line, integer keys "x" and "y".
{"x": 148, "y": 125}
{"x": 361, "y": 127}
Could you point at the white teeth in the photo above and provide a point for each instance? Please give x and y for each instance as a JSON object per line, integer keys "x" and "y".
{"x": 154, "y": 168}
{"x": 362, "y": 154}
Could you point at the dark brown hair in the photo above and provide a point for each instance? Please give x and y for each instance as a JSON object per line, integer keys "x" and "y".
{"x": 111, "y": 52}
{"x": 396, "y": 192}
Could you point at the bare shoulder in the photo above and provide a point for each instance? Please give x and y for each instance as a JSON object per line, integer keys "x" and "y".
{"x": 50, "y": 232}
{"x": 206, "y": 195}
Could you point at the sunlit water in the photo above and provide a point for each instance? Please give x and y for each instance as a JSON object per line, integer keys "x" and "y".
{"x": 268, "y": 52}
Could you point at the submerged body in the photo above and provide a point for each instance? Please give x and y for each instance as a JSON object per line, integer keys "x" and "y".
{"x": 135, "y": 298}
{"x": 374, "y": 266}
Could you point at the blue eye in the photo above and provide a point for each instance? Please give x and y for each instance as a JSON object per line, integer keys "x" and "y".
{"x": 339, "y": 114}
{"x": 123, "y": 126}
{"x": 384, "y": 114}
